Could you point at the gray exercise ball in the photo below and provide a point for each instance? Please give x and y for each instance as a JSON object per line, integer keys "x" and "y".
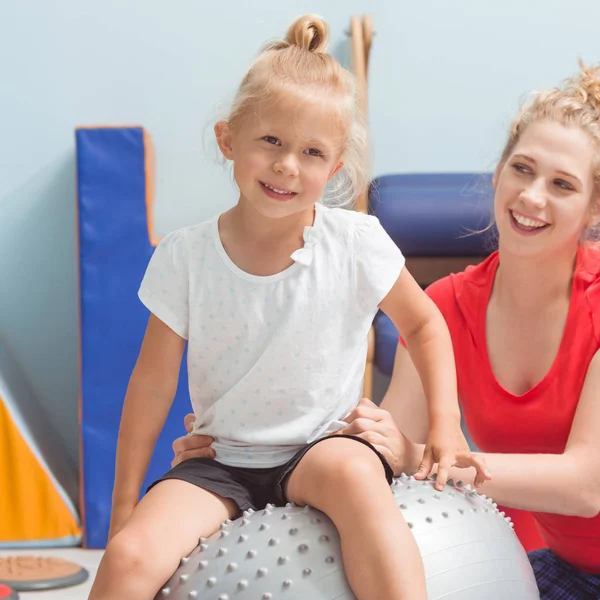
{"x": 469, "y": 550}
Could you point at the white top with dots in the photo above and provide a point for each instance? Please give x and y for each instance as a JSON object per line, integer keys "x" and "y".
{"x": 273, "y": 362}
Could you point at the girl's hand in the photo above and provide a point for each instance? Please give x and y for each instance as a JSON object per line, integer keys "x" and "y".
{"x": 448, "y": 447}
{"x": 191, "y": 446}
{"x": 376, "y": 426}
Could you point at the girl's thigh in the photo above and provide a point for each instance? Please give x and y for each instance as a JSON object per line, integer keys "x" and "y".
{"x": 337, "y": 466}
{"x": 172, "y": 516}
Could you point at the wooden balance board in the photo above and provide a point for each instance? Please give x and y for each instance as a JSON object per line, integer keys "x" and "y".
{"x": 34, "y": 573}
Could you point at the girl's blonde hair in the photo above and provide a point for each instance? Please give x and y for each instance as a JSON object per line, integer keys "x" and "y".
{"x": 576, "y": 103}
{"x": 300, "y": 63}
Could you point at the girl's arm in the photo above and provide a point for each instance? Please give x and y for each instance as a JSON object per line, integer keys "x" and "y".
{"x": 427, "y": 338}
{"x": 567, "y": 483}
{"x": 149, "y": 396}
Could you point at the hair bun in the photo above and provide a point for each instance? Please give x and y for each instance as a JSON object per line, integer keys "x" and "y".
{"x": 588, "y": 84}
{"x": 310, "y": 32}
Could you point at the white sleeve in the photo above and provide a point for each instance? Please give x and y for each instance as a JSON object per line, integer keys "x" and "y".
{"x": 165, "y": 287}
{"x": 378, "y": 262}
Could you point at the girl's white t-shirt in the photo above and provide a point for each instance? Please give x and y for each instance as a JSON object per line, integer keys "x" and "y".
{"x": 273, "y": 362}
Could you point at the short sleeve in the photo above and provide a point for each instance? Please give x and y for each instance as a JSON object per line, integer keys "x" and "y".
{"x": 378, "y": 262}
{"x": 165, "y": 287}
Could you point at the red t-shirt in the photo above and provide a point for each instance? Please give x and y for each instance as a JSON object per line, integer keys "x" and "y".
{"x": 540, "y": 420}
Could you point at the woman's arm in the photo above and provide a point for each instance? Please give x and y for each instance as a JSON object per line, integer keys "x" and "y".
{"x": 405, "y": 399}
{"x": 567, "y": 483}
{"x": 149, "y": 397}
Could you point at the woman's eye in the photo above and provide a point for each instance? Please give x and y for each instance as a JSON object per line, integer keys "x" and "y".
{"x": 270, "y": 139}
{"x": 519, "y": 168}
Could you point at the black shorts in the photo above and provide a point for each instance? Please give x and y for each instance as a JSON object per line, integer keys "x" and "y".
{"x": 249, "y": 488}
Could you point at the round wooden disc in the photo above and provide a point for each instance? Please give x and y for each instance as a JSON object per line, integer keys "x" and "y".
{"x": 28, "y": 573}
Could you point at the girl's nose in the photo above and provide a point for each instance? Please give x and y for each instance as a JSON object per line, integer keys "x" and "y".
{"x": 286, "y": 165}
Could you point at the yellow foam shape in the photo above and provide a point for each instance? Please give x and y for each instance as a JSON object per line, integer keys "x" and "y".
{"x": 30, "y": 506}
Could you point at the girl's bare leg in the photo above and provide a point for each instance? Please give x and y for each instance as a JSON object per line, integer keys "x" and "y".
{"x": 164, "y": 526}
{"x": 345, "y": 479}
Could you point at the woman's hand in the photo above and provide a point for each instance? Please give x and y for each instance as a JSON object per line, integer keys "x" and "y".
{"x": 191, "y": 446}
{"x": 447, "y": 446}
{"x": 376, "y": 426}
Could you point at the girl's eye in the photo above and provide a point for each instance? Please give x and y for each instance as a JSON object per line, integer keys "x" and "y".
{"x": 270, "y": 139}
{"x": 314, "y": 152}
{"x": 563, "y": 185}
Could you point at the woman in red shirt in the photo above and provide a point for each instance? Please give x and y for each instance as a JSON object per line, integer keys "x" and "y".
{"x": 525, "y": 326}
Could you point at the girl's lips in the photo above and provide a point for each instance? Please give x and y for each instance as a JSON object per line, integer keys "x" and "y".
{"x": 281, "y": 195}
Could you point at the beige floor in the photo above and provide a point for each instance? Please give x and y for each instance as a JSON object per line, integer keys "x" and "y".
{"x": 88, "y": 559}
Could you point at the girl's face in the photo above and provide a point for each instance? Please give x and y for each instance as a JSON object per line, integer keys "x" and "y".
{"x": 284, "y": 154}
{"x": 545, "y": 190}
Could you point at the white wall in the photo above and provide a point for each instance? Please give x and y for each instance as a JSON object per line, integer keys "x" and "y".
{"x": 445, "y": 78}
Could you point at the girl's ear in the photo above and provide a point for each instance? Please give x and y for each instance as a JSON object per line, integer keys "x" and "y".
{"x": 335, "y": 170}
{"x": 224, "y": 139}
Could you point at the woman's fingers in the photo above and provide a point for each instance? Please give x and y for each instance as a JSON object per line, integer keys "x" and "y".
{"x": 191, "y": 446}
{"x": 359, "y": 426}
{"x": 473, "y": 459}
{"x": 188, "y": 422}
{"x": 374, "y": 438}
{"x": 202, "y": 452}
{"x": 366, "y": 410}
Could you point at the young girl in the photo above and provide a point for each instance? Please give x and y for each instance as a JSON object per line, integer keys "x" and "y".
{"x": 275, "y": 299}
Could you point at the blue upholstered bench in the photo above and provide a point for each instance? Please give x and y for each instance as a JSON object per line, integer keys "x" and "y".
{"x": 437, "y": 220}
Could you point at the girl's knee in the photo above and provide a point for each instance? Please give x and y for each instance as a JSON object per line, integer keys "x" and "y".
{"x": 128, "y": 553}
{"x": 346, "y": 465}
{"x": 359, "y": 468}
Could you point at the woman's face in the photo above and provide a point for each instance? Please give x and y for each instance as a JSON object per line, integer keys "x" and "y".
{"x": 545, "y": 190}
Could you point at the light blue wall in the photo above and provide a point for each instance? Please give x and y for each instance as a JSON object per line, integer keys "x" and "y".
{"x": 445, "y": 78}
